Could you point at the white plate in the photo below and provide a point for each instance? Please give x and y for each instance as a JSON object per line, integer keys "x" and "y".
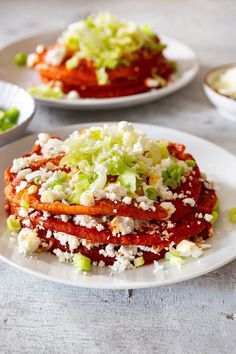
{"x": 216, "y": 162}
{"x": 184, "y": 56}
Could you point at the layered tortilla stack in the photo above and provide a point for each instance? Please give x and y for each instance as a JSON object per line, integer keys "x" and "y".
{"x": 102, "y": 56}
{"x": 109, "y": 194}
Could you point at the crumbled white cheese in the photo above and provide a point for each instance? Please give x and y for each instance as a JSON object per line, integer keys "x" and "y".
{"x": 72, "y": 95}
{"x": 189, "y": 201}
{"x": 88, "y": 221}
{"x": 42, "y": 139}
{"x": 32, "y": 60}
{"x": 23, "y": 162}
{"x": 101, "y": 264}
{"x": 66, "y": 239}
{"x": 208, "y": 217}
{"x": 122, "y": 225}
{"x": 189, "y": 249}
{"x": 63, "y": 256}
{"x": 54, "y": 147}
{"x": 127, "y": 200}
{"x": 115, "y": 191}
{"x": 26, "y": 222}
{"x": 23, "y": 173}
{"x": 55, "y": 56}
{"x": 22, "y": 185}
{"x": 45, "y": 215}
{"x": 28, "y": 240}
{"x": 23, "y": 212}
{"x": 64, "y": 218}
{"x": 49, "y": 234}
{"x": 145, "y": 203}
{"x": 88, "y": 244}
{"x": 151, "y": 83}
{"x": 34, "y": 214}
{"x": 38, "y": 173}
{"x": 169, "y": 207}
{"x": 109, "y": 251}
{"x": 40, "y": 48}
{"x": 124, "y": 258}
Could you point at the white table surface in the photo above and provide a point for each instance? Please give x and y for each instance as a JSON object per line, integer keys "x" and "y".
{"x": 197, "y": 316}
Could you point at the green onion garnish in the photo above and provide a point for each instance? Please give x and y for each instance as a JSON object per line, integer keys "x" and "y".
{"x": 13, "y": 224}
{"x": 151, "y": 193}
{"x": 20, "y": 59}
{"x": 215, "y": 215}
{"x": 8, "y": 119}
{"x": 232, "y": 215}
{"x": 24, "y": 204}
{"x": 217, "y": 205}
{"x": 164, "y": 150}
{"x": 172, "y": 175}
{"x": 82, "y": 262}
{"x": 32, "y": 189}
{"x": 37, "y": 180}
{"x": 191, "y": 163}
{"x": 139, "y": 261}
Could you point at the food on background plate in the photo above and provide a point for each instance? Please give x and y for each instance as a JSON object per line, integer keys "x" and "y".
{"x": 110, "y": 196}
{"x": 226, "y": 83}
{"x": 8, "y": 118}
{"x": 99, "y": 57}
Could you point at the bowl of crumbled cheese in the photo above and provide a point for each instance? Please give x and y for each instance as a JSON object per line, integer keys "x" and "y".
{"x": 220, "y": 87}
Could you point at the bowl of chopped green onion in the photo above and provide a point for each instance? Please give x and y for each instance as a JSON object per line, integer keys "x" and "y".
{"x": 17, "y": 108}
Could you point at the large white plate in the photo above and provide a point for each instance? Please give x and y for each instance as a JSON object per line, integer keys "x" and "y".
{"x": 184, "y": 56}
{"x": 216, "y": 162}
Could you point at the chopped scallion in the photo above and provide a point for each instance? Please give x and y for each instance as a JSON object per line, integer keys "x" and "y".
{"x": 232, "y": 215}
{"x": 82, "y": 262}
{"x": 139, "y": 261}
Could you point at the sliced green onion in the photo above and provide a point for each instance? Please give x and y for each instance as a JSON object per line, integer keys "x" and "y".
{"x": 37, "y": 180}
{"x": 128, "y": 180}
{"x": 191, "y": 163}
{"x": 46, "y": 91}
{"x": 164, "y": 150}
{"x": 47, "y": 197}
{"x": 151, "y": 193}
{"x": 102, "y": 76}
{"x": 20, "y": 59}
{"x": 172, "y": 175}
{"x": 215, "y": 215}
{"x": 13, "y": 224}
{"x": 24, "y": 204}
{"x": 174, "y": 260}
{"x": 2, "y": 114}
{"x": 82, "y": 262}
{"x": 32, "y": 189}
{"x": 173, "y": 64}
{"x": 139, "y": 261}
{"x": 72, "y": 63}
{"x": 12, "y": 115}
{"x": 58, "y": 188}
{"x": 217, "y": 205}
{"x": 232, "y": 215}
{"x": 174, "y": 252}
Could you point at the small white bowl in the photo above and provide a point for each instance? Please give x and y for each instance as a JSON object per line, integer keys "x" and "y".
{"x": 226, "y": 105}
{"x": 14, "y": 96}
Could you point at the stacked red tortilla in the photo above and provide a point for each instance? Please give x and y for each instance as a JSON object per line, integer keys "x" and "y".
{"x": 108, "y": 230}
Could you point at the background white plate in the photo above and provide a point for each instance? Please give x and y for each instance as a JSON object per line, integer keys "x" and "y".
{"x": 184, "y": 56}
{"x": 216, "y": 162}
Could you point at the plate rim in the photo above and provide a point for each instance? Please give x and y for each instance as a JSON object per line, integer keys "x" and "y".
{"x": 134, "y": 285}
{"x": 116, "y": 102}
